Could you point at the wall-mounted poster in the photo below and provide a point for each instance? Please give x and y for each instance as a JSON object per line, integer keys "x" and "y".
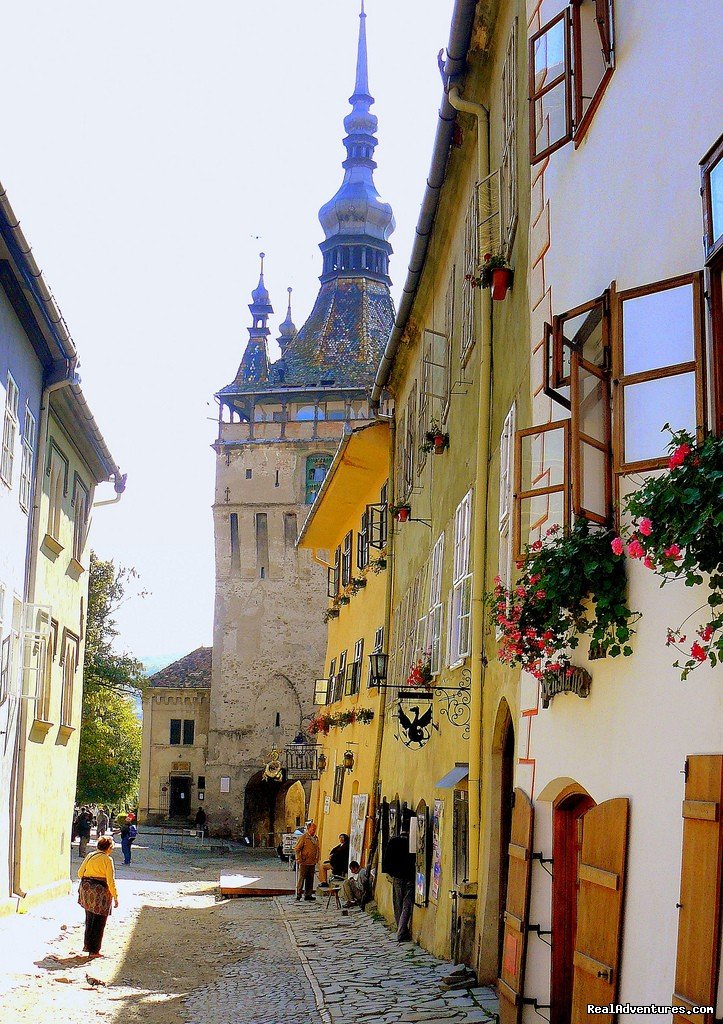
{"x": 327, "y": 803}
{"x": 421, "y": 886}
{"x": 359, "y": 804}
{"x": 437, "y": 821}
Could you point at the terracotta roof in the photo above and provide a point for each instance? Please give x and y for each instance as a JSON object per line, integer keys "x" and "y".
{"x": 193, "y": 670}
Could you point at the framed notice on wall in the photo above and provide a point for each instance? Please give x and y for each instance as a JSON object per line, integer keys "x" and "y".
{"x": 437, "y": 821}
{"x": 225, "y": 784}
{"x": 423, "y": 846}
{"x": 359, "y": 804}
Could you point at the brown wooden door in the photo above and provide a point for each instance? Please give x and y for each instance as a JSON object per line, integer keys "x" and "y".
{"x": 601, "y": 878}
{"x": 696, "y": 968}
{"x": 514, "y": 947}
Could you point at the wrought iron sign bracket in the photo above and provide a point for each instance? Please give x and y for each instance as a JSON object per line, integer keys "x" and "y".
{"x": 542, "y": 859}
{"x": 538, "y": 930}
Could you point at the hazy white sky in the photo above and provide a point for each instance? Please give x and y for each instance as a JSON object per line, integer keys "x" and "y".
{"x": 151, "y": 149}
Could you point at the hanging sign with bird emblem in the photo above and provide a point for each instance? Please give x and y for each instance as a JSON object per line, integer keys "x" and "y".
{"x": 414, "y": 718}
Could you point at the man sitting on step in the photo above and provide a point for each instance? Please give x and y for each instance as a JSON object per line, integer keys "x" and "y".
{"x": 353, "y": 888}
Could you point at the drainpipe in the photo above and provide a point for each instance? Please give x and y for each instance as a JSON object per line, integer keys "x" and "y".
{"x": 70, "y": 377}
{"x": 119, "y": 483}
{"x": 479, "y": 535}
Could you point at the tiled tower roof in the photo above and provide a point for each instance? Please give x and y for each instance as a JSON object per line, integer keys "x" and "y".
{"x": 193, "y": 670}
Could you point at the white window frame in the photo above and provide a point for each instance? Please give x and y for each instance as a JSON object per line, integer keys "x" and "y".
{"x": 70, "y": 667}
{"x": 508, "y": 166}
{"x": 449, "y": 326}
{"x": 81, "y": 513}
{"x": 36, "y": 631}
{"x": 470, "y": 260}
{"x": 506, "y": 497}
{"x": 26, "y": 464}
{"x": 10, "y": 431}
{"x": 434, "y": 618}
{"x": 460, "y": 634}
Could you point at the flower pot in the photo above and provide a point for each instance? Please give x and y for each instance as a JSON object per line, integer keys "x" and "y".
{"x": 439, "y": 443}
{"x": 501, "y": 282}
{"x": 402, "y": 515}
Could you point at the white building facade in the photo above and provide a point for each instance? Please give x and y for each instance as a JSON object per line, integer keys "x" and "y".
{"x": 619, "y": 796}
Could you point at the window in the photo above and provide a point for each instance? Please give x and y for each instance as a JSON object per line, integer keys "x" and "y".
{"x": 542, "y": 480}
{"x": 377, "y": 522}
{"x": 338, "y": 783}
{"x": 435, "y": 606}
{"x": 657, "y": 365}
{"x": 201, "y": 781}
{"x": 70, "y": 664}
{"x": 461, "y": 596}
{"x": 333, "y": 575}
{"x": 401, "y": 481}
{"x": 81, "y": 509}
{"x": 321, "y": 691}
{"x": 5, "y": 651}
{"x": 470, "y": 259}
{"x": 235, "y": 552}
{"x": 508, "y": 166}
{"x": 353, "y": 672}
{"x": 410, "y": 439}
{"x": 317, "y": 467}
{"x": 175, "y": 733}
{"x": 290, "y": 530}
{"x": 362, "y": 543}
{"x": 571, "y": 61}
{"x": 43, "y": 706}
{"x": 26, "y": 465}
{"x": 711, "y": 176}
{"x": 449, "y": 326}
{"x": 337, "y": 690}
{"x": 346, "y": 559}
{"x": 423, "y": 420}
{"x": 249, "y": 474}
{"x": 10, "y": 429}
{"x": 58, "y": 472}
{"x": 330, "y": 682}
{"x": 262, "y": 545}
{"x": 507, "y": 448}
{"x": 189, "y": 729}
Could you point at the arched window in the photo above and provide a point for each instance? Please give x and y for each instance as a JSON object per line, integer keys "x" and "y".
{"x": 317, "y": 467}
{"x": 304, "y": 412}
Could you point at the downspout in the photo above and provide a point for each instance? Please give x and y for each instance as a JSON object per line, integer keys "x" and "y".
{"x": 479, "y": 534}
{"x": 119, "y": 483}
{"x": 30, "y": 579}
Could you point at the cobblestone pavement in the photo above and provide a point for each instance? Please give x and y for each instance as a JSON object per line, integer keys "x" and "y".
{"x": 177, "y": 954}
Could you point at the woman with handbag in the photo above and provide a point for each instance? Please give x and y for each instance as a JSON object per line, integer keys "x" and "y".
{"x": 97, "y": 894}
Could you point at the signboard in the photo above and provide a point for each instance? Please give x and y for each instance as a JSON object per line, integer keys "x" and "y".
{"x": 288, "y": 842}
{"x": 327, "y": 804}
{"x": 437, "y": 821}
{"x": 225, "y": 784}
{"x": 180, "y": 766}
{"x": 359, "y": 804}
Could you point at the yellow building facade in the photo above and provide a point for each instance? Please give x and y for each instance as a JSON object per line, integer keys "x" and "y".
{"x": 346, "y": 530}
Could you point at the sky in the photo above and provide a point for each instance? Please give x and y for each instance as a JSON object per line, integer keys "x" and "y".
{"x": 151, "y": 150}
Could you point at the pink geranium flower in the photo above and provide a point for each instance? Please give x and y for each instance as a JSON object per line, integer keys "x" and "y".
{"x": 698, "y": 652}
{"x": 672, "y": 552}
{"x": 645, "y": 527}
{"x": 617, "y": 546}
{"x": 636, "y": 549}
{"x": 679, "y": 456}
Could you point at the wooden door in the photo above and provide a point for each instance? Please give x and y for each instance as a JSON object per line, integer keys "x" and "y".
{"x": 696, "y": 968}
{"x": 600, "y": 909}
{"x": 514, "y": 947}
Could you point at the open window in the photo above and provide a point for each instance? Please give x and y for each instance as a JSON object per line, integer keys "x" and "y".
{"x": 333, "y": 575}
{"x": 657, "y": 369}
{"x": 711, "y": 173}
{"x": 542, "y": 481}
{"x": 571, "y": 60}
{"x": 362, "y": 542}
{"x": 346, "y": 559}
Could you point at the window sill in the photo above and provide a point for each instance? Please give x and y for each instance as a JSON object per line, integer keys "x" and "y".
{"x": 65, "y": 732}
{"x": 52, "y": 545}
{"x": 40, "y": 728}
{"x": 76, "y": 567}
{"x": 457, "y": 664}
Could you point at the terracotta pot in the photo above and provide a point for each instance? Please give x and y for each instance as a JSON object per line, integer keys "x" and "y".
{"x": 402, "y": 515}
{"x": 501, "y": 282}
{"x": 439, "y": 444}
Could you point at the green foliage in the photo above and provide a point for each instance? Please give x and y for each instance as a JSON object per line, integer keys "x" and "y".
{"x": 678, "y": 533}
{"x": 110, "y": 737}
{"x": 568, "y": 586}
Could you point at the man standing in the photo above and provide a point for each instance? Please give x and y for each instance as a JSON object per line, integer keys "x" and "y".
{"x": 128, "y": 835}
{"x": 307, "y": 857}
{"x": 401, "y": 865}
{"x": 85, "y": 820}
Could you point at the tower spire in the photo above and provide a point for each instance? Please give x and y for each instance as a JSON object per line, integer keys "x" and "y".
{"x": 287, "y": 328}
{"x": 255, "y": 363}
{"x": 361, "y": 85}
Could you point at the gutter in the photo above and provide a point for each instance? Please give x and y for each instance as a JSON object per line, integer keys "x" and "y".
{"x": 460, "y": 36}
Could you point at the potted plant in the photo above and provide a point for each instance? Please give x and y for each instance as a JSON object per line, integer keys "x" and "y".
{"x": 358, "y": 583}
{"x": 495, "y": 273}
{"x": 400, "y": 512}
{"x": 435, "y": 440}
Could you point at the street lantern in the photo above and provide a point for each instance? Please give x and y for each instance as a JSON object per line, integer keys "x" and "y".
{"x": 378, "y": 662}
{"x": 349, "y": 760}
{"x": 321, "y": 762}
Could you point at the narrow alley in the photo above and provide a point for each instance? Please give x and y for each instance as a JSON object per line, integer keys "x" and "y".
{"x": 178, "y": 953}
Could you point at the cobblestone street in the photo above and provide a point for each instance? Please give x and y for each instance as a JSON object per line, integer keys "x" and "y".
{"x": 176, "y": 954}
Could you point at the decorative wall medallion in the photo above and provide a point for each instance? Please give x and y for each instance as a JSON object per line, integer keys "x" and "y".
{"x": 273, "y": 770}
{"x": 567, "y": 679}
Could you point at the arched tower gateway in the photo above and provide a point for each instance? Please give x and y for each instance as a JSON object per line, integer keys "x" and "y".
{"x": 279, "y": 426}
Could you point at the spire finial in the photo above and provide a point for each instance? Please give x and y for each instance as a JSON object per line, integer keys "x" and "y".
{"x": 262, "y": 257}
{"x": 361, "y": 86}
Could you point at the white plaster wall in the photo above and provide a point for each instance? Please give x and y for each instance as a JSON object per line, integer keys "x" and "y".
{"x": 18, "y": 357}
{"x": 625, "y": 206}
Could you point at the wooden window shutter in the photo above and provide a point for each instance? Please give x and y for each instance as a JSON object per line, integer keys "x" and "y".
{"x": 696, "y": 965}
{"x": 517, "y": 910}
{"x": 601, "y": 878}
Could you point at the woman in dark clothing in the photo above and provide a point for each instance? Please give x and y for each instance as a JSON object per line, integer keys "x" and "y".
{"x": 97, "y": 894}
{"x": 338, "y": 862}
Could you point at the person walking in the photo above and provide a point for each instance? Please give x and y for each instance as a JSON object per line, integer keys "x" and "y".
{"x": 97, "y": 894}
{"x": 307, "y": 856}
{"x": 128, "y": 834}
{"x": 83, "y": 826}
{"x": 200, "y": 822}
{"x": 400, "y": 864}
{"x": 102, "y": 823}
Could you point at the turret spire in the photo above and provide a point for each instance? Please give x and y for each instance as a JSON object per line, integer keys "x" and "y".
{"x": 287, "y": 328}
{"x": 255, "y": 363}
{"x": 361, "y": 86}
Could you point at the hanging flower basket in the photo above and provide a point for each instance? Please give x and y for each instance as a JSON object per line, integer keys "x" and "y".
{"x": 677, "y": 532}
{"x": 400, "y": 512}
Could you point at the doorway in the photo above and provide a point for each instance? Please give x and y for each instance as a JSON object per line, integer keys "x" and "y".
{"x": 568, "y": 818}
{"x": 507, "y": 769}
{"x": 179, "y": 802}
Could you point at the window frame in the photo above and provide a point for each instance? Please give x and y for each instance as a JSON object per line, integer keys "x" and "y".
{"x": 435, "y": 616}
{"x": 362, "y": 542}
{"x": 185, "y": 732}
{"x": 565, "y": 78}
{"x": 621, "y": 381}
{"x": 509, "y": 200}
{"x": 10, "y": 430}
{"x": 171, "y": 723}
{"x": 71, "y": 651}
{"x": 460, "y": 643}
{"x": 713, "y": 157}
{"x": 563, "y": 488}
{"x": 25, "y": 492}
{"x": 346, "y": 557}
{"x": 333, "y": 575}
{"x": 449, "y": 326}
{"x": 81, "y": 516}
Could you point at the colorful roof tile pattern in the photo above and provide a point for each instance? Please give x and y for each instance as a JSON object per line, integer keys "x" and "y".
{"x": 193, "y": 670}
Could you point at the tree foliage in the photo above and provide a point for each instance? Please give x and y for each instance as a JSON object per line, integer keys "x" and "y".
{"x": 110, "y": 738}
